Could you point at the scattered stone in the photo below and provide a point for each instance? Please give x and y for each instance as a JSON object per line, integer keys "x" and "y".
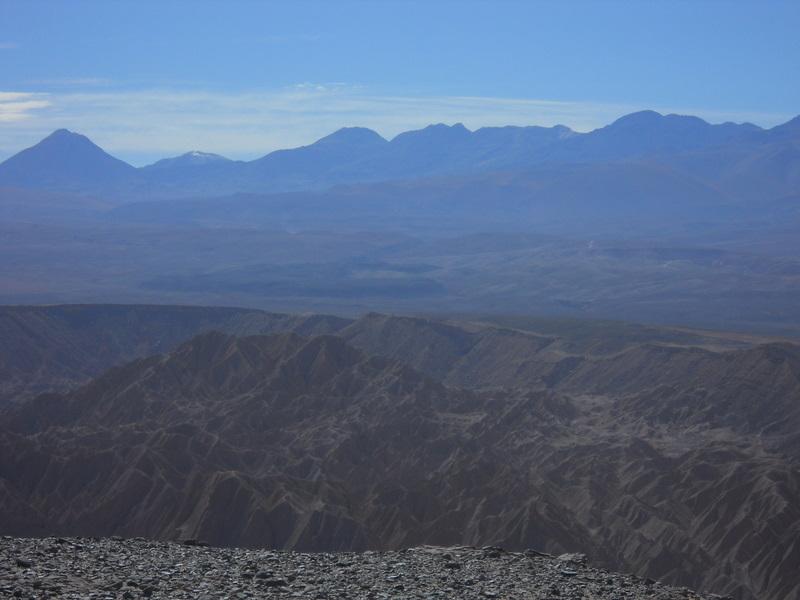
{"x": 264, "y": 574}
{"x": 101, "y": 569}
{"x": 574, "y": 558}
{"x": 534, "y": 553}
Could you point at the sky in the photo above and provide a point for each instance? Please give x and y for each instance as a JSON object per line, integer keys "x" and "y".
{"x": 148, "y": 79}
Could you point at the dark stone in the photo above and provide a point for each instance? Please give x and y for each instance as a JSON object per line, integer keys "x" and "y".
{"x": 568, "y": 572}
{"x": 492, "y": 551}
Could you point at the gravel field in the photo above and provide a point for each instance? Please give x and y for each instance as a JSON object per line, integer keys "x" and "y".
{"x": 92, "y": 568}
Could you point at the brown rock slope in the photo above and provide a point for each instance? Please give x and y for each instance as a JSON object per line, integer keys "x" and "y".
{"x": 55, "y": 348}
{"x": 673, "y": 463}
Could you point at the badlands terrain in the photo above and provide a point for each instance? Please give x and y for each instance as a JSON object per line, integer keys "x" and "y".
{"x": 666, "y": 453}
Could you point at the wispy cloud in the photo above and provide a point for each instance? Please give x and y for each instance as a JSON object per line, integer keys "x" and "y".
{"x": 145, "y": 124}
{"x": 8, "y": 45}
{"x": 16, "y": 107}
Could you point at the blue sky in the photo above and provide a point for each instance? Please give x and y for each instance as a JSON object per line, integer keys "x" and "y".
{"x": 149, "y": 79}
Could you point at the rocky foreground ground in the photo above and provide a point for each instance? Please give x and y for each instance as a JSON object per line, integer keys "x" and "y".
{"x": 92, "y": 568}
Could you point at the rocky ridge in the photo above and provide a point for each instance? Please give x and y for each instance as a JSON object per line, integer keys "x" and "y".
{"x": 309, "y": 444}
{"x": 80, "y": 568}
{"x": 674, "y": 455}
{"x": 57, "y": 348}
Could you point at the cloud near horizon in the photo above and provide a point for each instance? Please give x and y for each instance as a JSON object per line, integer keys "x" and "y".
{"x": 16, "y": 107}
{"x": 143, "y": 125}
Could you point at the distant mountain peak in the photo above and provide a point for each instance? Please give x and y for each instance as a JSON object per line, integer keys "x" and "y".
{"x": 202, "y": 156}
{"x": 62, "y": 136}
{"x": 793, "y": 123}
{"x": 790, "y": 128}
{"x": 439, "y": 132}
{"x": 455, "y": 127}
{"x": 638, "y": 119}
{"x": 62, "y": 133}
{"x": 352, "y": 135}
{"x": 650, "y": 118}
{"x": 193, "y": 158}
{"x": 64, "y": 159}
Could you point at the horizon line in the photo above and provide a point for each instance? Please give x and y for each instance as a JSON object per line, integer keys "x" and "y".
{"x": 147, "y": 157}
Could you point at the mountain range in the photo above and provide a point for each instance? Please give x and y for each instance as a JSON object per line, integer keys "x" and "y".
{"x": 704, "y": 237}
{"x": 669, "y": 453}
{"x": 721, "y": 154}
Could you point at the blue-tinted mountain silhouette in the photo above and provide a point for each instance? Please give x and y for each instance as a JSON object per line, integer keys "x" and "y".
{"x": 714, "y": 154}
